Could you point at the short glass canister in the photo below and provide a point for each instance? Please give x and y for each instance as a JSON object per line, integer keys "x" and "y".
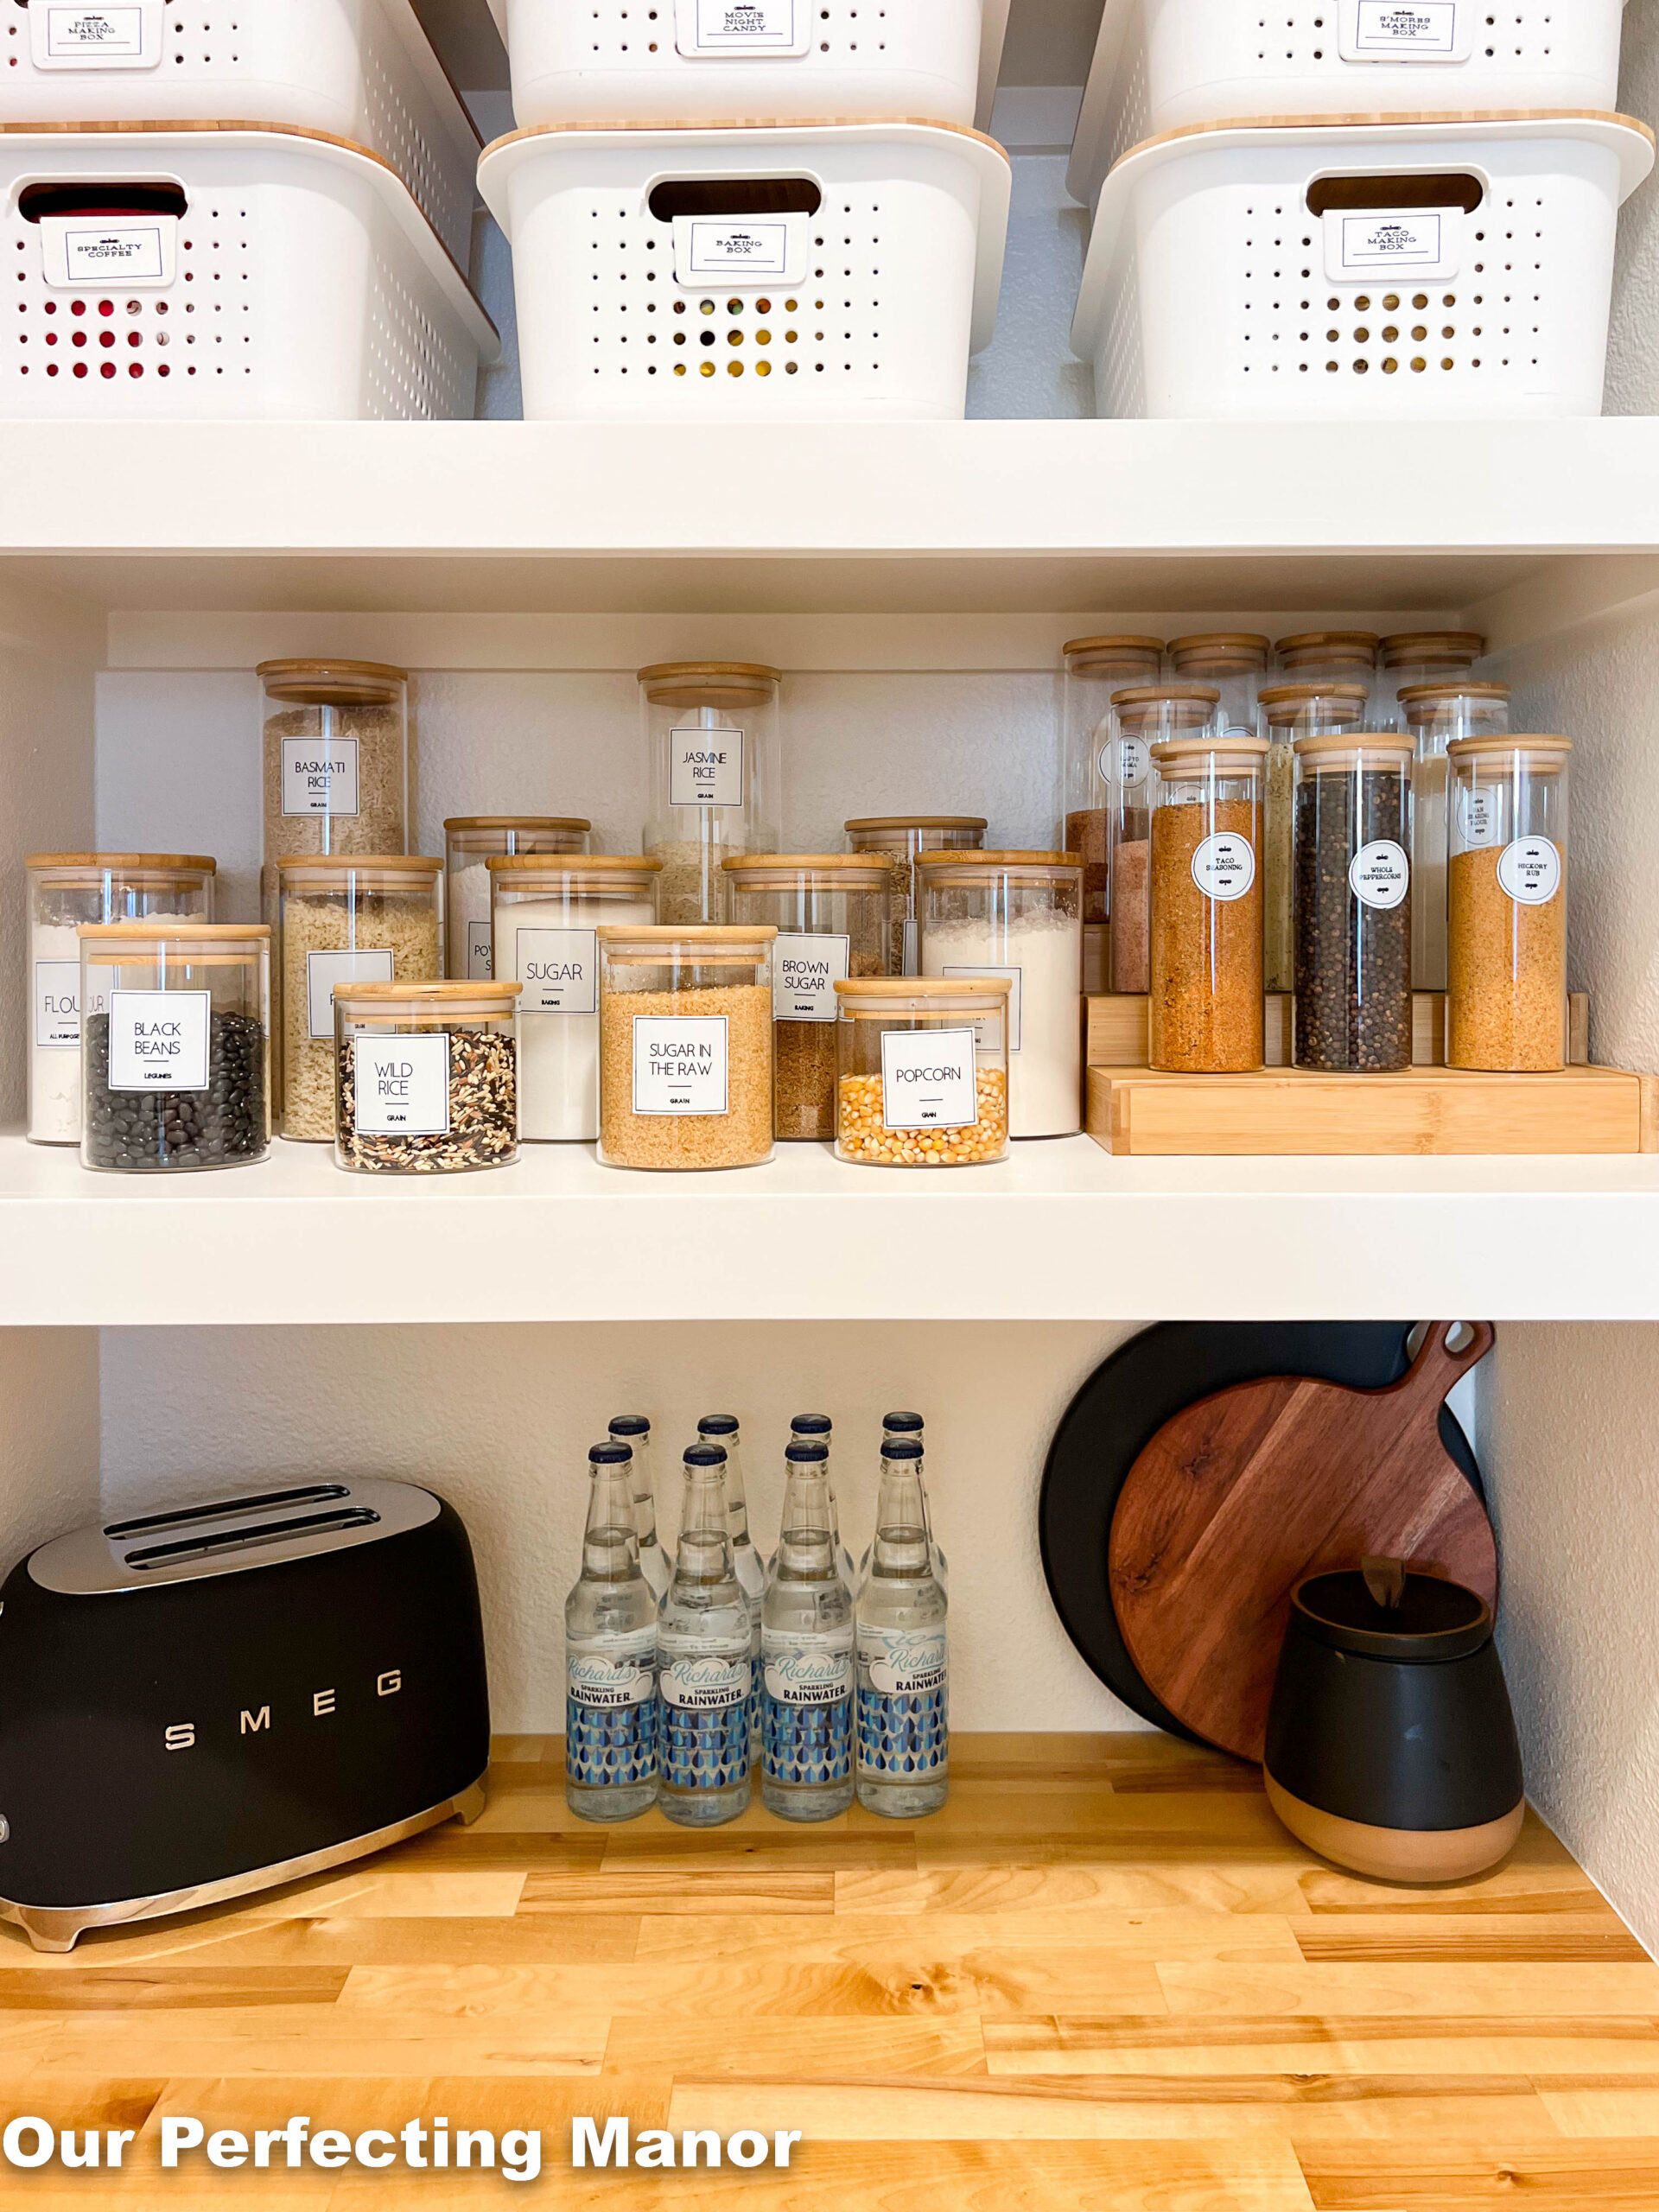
{"x": 1206, "y": 1015}
{"x": 923, "y": 1075}
{"x": 428, "y": 1077}
{"x": 685, "y": 1045}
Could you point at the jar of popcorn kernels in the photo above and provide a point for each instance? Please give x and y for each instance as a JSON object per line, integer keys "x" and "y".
{"x": 922, "y": 1070}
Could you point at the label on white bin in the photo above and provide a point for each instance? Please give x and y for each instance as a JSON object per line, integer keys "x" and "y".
{"x": 1406, "y": 30}
{"x": 120, "y": 34}
{"x": 402, "y": 1085}
{"x": 737, "y": 249}
{"x": 680, "y": 1062}
{"x": 1529, "y": 869}
{"x": 1409, "y": 242}
{"x": 1223, "y": 867}
{"x": 1380, "y": 874}
{"x": 735, "y": 28}
{"x": 158, "y": 1039}
{"x": 929, "y": 1079}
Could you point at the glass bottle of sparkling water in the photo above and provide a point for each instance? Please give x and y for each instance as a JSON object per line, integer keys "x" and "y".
{"x": 705, "y": 1677}
{"x": 634, "y": 1430}
{"x": 910, "y": 1425}
{"x": 810, "y": 1427}
{"x": 903, "y": 1720}
{"x": 610, "y": 1655}
{"x": 806, "y": 1651}
{"x": 747, "y": 1564}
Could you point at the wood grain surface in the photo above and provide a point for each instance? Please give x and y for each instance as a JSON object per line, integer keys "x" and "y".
{"x": 1104, "y": 1980}
{"x": 1243, "y": 1493}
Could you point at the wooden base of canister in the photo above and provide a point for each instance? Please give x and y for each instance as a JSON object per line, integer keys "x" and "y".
{"x": 1397, "y": 1854}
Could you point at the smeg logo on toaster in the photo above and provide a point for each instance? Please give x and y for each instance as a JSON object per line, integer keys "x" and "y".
{"x": 255, "y": 1720}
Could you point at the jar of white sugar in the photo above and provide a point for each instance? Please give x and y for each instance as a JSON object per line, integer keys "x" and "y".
{"x": 65, "y": 890}
{"x": 470, "y": 842}
{"x": 546, "y": 913}
{"x": 1018, "y": 915}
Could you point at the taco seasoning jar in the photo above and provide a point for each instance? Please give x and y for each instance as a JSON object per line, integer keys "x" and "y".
{"x": 428, "y": 1077}
{"x": 900, "y": 839}
{"x": 923, "y": 1071}
{"x": 336, "y": 757}
{"x": 1506, "y": 922}
{"x": 65, "y": 890}
{"x": 1148, "y": 715}
{"x": 830, "y": 911}
{"x": 1019, "y": 915}
{"x": 470, "y": 841}
{"x": 1290, "y": 711}
{"x": 1095, "y": 669}
{"x": 685, "y": 1045}
{"x": 175, "y": 1046}
{"x": 548, "y": 909}
{"x": 1206, "y": 1015}
{"x": 1352, "y": 903}
{"x": 1437, "y": 715}
{"x": 712, "y": 745}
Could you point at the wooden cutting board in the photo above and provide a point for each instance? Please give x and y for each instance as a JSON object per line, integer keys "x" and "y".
{"x": 1243, "y": 1493}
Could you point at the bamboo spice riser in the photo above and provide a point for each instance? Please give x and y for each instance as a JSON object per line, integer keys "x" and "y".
{"x": 1291, "y": 1112}
{"x": 1115, "y": 1031}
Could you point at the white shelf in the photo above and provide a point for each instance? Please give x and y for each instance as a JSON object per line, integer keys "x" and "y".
{"x": 1059, "y": 1232}
{"x": 1002, "y": 517}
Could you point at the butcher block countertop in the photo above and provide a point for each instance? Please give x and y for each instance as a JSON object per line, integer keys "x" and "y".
{"x": 1104, "y": 1978}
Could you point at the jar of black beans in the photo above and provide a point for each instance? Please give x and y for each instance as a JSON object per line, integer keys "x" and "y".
{"x": 1352, "y": 880}
{"x": 177, "y": 1047}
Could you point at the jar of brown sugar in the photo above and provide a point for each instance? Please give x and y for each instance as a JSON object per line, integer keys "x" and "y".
{"x": 1437, "y": 715}
{"x": 830, "y": 911}
{"x": 1506, "y": 922}
{"x": 1206, "y": 1015}
{"x": 685, "y": 1045}
{"x": 923, "y": 1077}
{"x": 901, "y": 839}
{"x": 1148, "y": 715}
{"x": 1095, "y": 669}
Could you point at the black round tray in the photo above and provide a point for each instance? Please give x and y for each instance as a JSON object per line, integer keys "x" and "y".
{"x": 1120, "y": 1409}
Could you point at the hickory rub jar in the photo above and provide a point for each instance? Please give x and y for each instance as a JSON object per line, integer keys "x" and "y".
{"x": 1506, "y": 934}
{"x": 1205, "y": 1013}
{"x": 923, "y": 1068}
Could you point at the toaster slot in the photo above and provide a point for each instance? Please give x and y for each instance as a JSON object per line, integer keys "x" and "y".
{"x": 249, "y": 1536}
{"x": 264, "y": 1502}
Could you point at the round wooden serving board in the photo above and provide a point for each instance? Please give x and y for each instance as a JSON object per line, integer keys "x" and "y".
{"x": 1243, "y": 1493}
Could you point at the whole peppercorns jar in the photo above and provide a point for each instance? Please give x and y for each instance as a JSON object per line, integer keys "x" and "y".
{"x": 175, "y": 1062}
{"x": 923, "y": 1070}
{"x": 1352, "y": 883}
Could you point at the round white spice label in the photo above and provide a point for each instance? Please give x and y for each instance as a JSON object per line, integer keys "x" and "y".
{"x": 1223, "y": 867}
{"x": 1530, "y": 871}
{"x": 1380, "y": 874}
{"x": 1125, "y": 760}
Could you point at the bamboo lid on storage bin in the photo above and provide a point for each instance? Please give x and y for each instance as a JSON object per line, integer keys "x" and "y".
{"x": 329, "y": 871}
{"x": 1552, "y": 752}
{"x": 1233, "y": 652}
{"x": 893, "y": 988}
{"x": 914, "y": 822}
{"x": 517, "y": 821}
{"x": 573, "y": 864}
{"x": 332, "y": 682}
{"x": 493, "y": 999}
{"x": 1181, "y": 706}
{"x": 998, "y": 859}
{"x": 1237, "y": 744}
{"x": 1454, "y": 688}
{"x": 1082, "y": 655}
{"x": 1349, "y": 743}
{"x": 1335, "y": 648}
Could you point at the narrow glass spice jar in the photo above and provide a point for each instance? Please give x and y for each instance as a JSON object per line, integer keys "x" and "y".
{"x": 1290, "y": 711}
{"x": 67, "y": 890}
{"x": 685, "y": 1027}
{"x": 830, "y": 911}
{"x": 1412, "y": 657}
{"x": 428, "y": 1077}
{"x": 1506, "y": 996}
{"x": 175, "y": 1064}
{"x": 1148, "y": 715}
{"x": 901, "y": 840}
{"x": 1206, "y": 1013}
{"x": 1352, "y": 904}
{"x": 470, "y": 842}
{"x": 1437, "y": 715}
{"x": 1095, "y": 669}
{"x": 712, "y": 742}
{"x": 923, "y": 1068}
{"x": 1328, "y": 656}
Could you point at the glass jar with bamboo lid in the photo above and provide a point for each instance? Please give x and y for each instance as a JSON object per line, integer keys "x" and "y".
{"x": 1437, "y": 715}
{"x": 923, "y": 1071}
{"x": 336, "y": 757}
{"x": 1235, "y": 661}
{"x": 901, "y": 839}
{"x": 830, "y": 911}
{"x": 1290, "y": 711}
{"x": 1096, "y": 668}
{"x": 427, "y": 1075}
{"x": 1410, "y": 657}
{"x": 685, "y": 1066}
{"x": 1352, "y": 902}
{"x": 712, "y": 744}
{"x": 1328, "y": 656}
{"x": 1506, "y": 934}
{"x": 1206, "y": 1015}
{"x": 470, "y": 841}
{"x": 1147, "y": 715}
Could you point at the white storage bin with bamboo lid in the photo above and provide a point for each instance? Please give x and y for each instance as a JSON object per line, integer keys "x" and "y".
{"x": 748, "y": 272}
{"x": 1448, "y": 267}
{"x": 240, "y": 272}
{"x": 1160, "y": 65}
{"x": 362, "y": 70}
{"x": 787, "y": 60}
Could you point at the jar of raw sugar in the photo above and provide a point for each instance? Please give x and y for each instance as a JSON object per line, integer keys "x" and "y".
{"x": 1095, "y": 669}
{"x": 685, "y": 1022}
{"x": 470, "y": 841}
{"x": 712, "y": 746}
{"x": 428, "y": 1077}
{"x": 1018, "y": 915}
{"x": 175, "y": 1047}
{"x": 547, "y": 911}
{"x": 64, "y": 890}
{"x": 1506, "y": 922}
{"x": 923, "y": 1071}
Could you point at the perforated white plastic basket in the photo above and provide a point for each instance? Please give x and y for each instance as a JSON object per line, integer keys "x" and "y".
{"x": 1161, "y": 64}
{"x": 732, "y": 273}
{"x": 361, "y": 69}
{"x": 1428, "y": 270}
{"x": 683, "y": 61}
{"x": 300, "y": 281}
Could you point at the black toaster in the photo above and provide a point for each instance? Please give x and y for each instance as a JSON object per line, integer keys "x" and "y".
{"x": 204, "y": 1702}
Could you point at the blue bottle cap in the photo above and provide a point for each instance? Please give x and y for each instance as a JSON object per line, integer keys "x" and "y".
{"x": 811, "y": 1425}
{"x": 717, "y": 1425}
{"x": 901, "y": 1447}
{"x": 902, "y": 1424}
{"x": 629, "y": 1425}
{"x": 807, "y": 1452}
{"x": 613, "y": 1455}
{"x": 706, "y": 1455}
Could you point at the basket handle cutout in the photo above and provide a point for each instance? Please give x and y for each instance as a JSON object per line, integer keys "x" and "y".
{"x": 775, "y": 195}
{"x": 1452, "y": 188}
{"x": 104, "y": 200}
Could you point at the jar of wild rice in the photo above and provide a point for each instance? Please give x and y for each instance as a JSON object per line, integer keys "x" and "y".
{"x": 175, "y": 1059}
{"x": 923, "y": 1071}
{"x": 428, "y": 1077}
{"x": 685, "y": 1045}
{"x": 1352, "y": 903}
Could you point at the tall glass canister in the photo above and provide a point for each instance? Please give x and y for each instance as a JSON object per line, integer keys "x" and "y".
{"x": 1235, "y": 661}
{"x": 712, "y": 744}
{"x": 1328, "y": 656}
{"x": 1352, "y": 903}
{"x": 470, "y": 842}
{"x": 900, "y": 839}
{"x": 1437, "y": 715}
{"x": 1147, "y": 715}
{"x": 1506, "y": 993}
{"x": 1206, "y": 1012}
{"x": 1095, "y": 669}
{"x": 1413, "y": 656}
{"x": 1290, "y": 711}
{"x": 336, "y": 758}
